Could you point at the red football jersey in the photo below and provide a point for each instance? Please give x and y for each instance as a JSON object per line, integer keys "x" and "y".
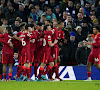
{"x": 61, "y": 34}
{"x": 25, "y": 40}
{"x": 33, "y": 41}
{"x": 46, "y": 47}
{"x": 8, "y": 39}
{"x": 55, "y": 36}
{"x": 96, "y": 43}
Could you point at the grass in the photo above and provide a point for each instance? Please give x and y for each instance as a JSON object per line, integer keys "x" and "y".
{"x": 63, "y": 85}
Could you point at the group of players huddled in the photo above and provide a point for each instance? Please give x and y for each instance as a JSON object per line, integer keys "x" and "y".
{"x": 35, "y": 44}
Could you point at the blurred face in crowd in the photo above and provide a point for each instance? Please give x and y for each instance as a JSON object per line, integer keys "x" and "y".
{"x": 9, "y": 3}
{"x": 11, "y": 9}
{"x": 30, "y": 20}
{"x": 43, "y": 19}
{"x": 87, "y": 6}
{"x": 69, "y": 18}
{"x": 79, "y": 30}
{"x": 21, "y": 8}
{"x": 16, "y": 55}
{"x": 89, "y": 37}
{"x": 79, "y": 44}
{"x": 84, "y": 24}
{"x": 42, "y": 0}
{"x": 81, "y": 10}
{"x": 65, "y": 14}
{"x": 52, "y": 1}
{"x": 61, "y": 25}
{"x": 5, "y": 22}
{"x": 85, "y": 43}
{"x": 55, "y": 24}
{"x": 49, "y": 11}
{"x": 72, "y": 38}
{"x": 80, "y": 16}
{"x": 54, "y": 20}
{"x": 33, "y": 10}
{"x": 30, "y": 29}
{"x": 92, "y": 12}
{"x": 57, "y": 9}
{"x": 93, "y": 17}
{"x": 70, "y": 4}
{"x": 37, "y": 7}
{"x": 95, "y": 22}
{"x": 17, "y": 23}
{"x": 78, "y": 5}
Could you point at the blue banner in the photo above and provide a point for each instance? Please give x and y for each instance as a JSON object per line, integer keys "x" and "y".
{"x": 69, "y": 73}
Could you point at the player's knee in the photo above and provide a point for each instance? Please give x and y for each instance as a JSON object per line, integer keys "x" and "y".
{"x": 51, "y": 64}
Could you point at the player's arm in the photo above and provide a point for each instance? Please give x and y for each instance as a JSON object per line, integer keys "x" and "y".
{"x": 15, "y": 37}
{"x": 52, "y": 44}
{"x": 4, "y": 42}
{"x": 96, "y": 43}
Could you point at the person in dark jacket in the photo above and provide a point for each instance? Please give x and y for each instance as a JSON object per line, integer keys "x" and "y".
{"x": 82, "y": 54}
{"x": 67, "y": 53}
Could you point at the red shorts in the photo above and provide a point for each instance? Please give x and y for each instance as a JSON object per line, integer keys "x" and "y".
{"x": 38, "y": 55}
{"x": 25, "y": 58}
{"x": 7, "y": 58}
{"x": 31, "y": 56}
{"x": 94, "y": 57}
{"x": 46, "y": 58}
{"x": 55, "y": 52}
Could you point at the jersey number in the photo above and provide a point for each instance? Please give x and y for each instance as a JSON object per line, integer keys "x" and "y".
{"x": 23, "y": 42}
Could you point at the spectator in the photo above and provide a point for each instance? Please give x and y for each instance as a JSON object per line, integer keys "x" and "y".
{"x": 16, "y": 59}
{"x": 52, "y": 4}
{"x": 95, "y": 22}
{"x": 21, "y": 13}
{"x": 89, "y": 40}
{"x": 1, "y": 16}
{"x": 80, "y": 44}
{"x": 78, "y": 35}
{"x": 63, "y": 5}
{"x": 97, "y": 10}
{"x": 82, "y": 54}
{"x": 49, "y": 14}
{"x": 87, "y": 9}
{"x": 33, "y": 14}
{"x": 58, "y": 12}
{"x": 38, "y": 11}
{"x": 78, "y": 21}
{"x": 4, "y": 24}
{"x": 15, "y": 26}
{"x": 68, "y": 51}
{"x": 30, "y": 20}
{"x": 78, "y": 6}
{"x": 65, "y": 15}
{"x": 10, "y": 15}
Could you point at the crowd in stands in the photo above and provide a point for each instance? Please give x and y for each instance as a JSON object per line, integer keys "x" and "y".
{"x": 79, "y": 18}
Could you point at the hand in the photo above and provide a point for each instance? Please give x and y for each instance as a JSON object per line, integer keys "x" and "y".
{"x": 11, "y": 46}
{"x": 56, "y": 41}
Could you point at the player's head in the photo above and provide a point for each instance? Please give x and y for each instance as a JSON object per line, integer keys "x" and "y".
{"x": 8, "y": 30}
{"x": 39, "y": 26}
{"x": 96, "y": 29}
{"x": 28, "y": 28}
{"x": 60, "y": 24}
{"x": 22, "y": 26}
{"x": 47, "y": 27}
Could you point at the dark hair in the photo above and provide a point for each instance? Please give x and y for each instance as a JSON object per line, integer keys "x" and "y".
{"x": 97, "y": 27}
{"x": 39, "y": 23}
{"x": 60, "y": 21}
{"x": 45, "y": 27}
{"x": 9, "y": 30}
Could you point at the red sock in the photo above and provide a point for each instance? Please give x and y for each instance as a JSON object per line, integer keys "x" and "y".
{"x": 20, "y": 71}
{"x": 30, "y": 69}
{"x": 24, "y": 72}
{"x": 57, "y": 71}
{"x": 47, "y": 70}
{"x": 50, "y": 74}
{"x": 18, "y": 67}
{"x": 89, "y": 74}
{"x": 35, "y": 69}
{"x": 40, "y": 72}
{"x": 0, "y": 76}
{"x": 28, "y": 72}
{"x": 10, "y": 74}
{"x": 4, "y": 75}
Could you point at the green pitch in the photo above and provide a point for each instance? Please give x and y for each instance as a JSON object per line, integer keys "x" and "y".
{"x": 63, "y": 85}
